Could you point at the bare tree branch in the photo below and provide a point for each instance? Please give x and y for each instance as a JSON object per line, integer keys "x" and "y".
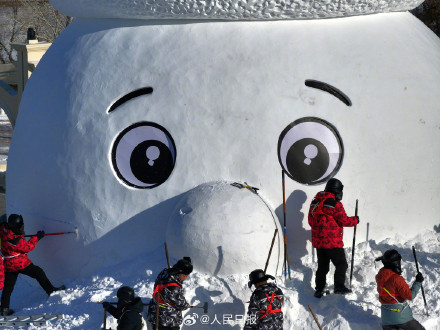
{"x": 18, "y": 15}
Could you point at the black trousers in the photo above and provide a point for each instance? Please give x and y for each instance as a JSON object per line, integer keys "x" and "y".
{"x": 411, "y": 325}
{"x": 337, "y": 257}
{"x": 31, "y": 271}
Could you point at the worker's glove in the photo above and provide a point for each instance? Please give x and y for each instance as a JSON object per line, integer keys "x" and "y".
{"x": 40, "y": 234}
{"x": 105, "y": 305}
{"x": 358, "y": 219}
{"x": 419, "y": 277}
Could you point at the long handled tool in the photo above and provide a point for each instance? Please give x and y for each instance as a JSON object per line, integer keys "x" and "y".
{"x": 423, "y": 291}
{"x": 271, "y": 247}
{"x": 105, "y": 320}
{"x": 60, "y": 233}
{"x": 166, "y": 253}
{"x": 314, "y": 316}
{"x": 354, "y": 244}
{"x": 205, "y": 307}
{"x": 286, "y": 251}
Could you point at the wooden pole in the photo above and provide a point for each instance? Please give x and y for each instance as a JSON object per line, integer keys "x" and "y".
{"x": 316, "y": 319}
{"x": 270, "y": 251}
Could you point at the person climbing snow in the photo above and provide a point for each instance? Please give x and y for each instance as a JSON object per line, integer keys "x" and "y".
{"x": 168, "y": 294}
{"x": 327, "y": 218}
{"x": 128, "y": 310}
{"x": 264, "y": 311}
{"x": 394, "y": 293}
{"x": 14, "y": 249}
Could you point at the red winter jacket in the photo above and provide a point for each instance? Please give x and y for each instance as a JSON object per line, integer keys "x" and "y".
{"x": 327, "y": 218}
{"x": 15, "y": 248}
{"x": 394, "y": 284}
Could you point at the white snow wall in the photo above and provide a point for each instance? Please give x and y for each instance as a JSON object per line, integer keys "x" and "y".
{"x": 224, "y": 91}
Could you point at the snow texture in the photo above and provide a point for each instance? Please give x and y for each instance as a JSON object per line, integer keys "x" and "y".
{"x": 229, "y": 9}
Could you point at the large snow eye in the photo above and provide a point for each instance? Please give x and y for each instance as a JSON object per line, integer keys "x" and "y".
{"x": 144, "y": 155}
{"x": 310, "y": 150}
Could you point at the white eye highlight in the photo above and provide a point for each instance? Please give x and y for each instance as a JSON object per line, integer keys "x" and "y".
{"x": 144, "y": 155}
{"x": 310, "y": 150}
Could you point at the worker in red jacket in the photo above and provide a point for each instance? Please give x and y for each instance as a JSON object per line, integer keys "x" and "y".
{"x": 395, "y": 294}
{"x": 14, "y": 249}
{"x": 327, "y": 218}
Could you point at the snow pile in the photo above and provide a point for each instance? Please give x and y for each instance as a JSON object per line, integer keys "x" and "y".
{"x": 227, "y": 295}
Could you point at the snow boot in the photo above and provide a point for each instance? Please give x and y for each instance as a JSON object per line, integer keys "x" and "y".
{"x": 342, "y": 290}
{"x": 6, "y": 311}
{"x": 318, "y": 294}
{"x": 61, "y": 288}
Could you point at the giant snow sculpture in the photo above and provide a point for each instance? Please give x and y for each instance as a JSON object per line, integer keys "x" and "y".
{"x": 141, "y": 114}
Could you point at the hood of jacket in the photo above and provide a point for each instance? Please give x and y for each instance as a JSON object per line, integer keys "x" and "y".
{"x": 323, "y": 195}
{"x": 384, "y": 275}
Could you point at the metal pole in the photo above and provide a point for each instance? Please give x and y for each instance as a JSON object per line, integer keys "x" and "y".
{"x": 423, "y": 291}
{"x": 354, "y": 244}
{"x": 286, "y": 251}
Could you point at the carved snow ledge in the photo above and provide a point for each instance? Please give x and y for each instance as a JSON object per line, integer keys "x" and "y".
{"x": 229, "y": 9}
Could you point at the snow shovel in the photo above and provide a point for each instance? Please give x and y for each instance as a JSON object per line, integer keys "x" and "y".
{"x": 60, "y": 233}
{"x": 205, "y": 307}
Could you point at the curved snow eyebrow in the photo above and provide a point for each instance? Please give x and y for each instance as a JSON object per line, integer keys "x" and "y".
{"x": 129, "y": 96}
{"x": 329, "y": 89}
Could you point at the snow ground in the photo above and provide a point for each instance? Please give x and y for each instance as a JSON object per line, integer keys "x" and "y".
{"x": 227, "y": 296}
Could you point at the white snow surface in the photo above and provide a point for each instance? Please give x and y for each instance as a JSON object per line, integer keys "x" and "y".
{"x": 224, "y": 91}
{"x": 227, "y": 295}
{"x": 229, "y": 9}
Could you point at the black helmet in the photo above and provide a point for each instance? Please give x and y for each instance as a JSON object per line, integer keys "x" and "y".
{"x": 257, "y": 276}
{"x": 125, "y": 294}
{"x": 16, "y": 224}
{"x": 335, "y": 186}
{"x": 183, "y": 266}
{"x": 391, "y": 259}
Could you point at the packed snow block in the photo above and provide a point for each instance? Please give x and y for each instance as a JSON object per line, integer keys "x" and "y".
{"x": 225, "y": 230}
{"x": 123, "y": 117}
{"x": 229, "y": 9}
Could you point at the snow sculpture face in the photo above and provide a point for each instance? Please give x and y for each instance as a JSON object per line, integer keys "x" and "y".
{"x": 132, "y": 130}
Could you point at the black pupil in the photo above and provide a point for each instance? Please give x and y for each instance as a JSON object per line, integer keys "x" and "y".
{"x": 151, "y": 162}
{"x": 306, "y": 167}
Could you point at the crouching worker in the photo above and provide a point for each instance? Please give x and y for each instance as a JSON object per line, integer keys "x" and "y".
{"x": 14, "y": 249}
{"x": 168, "y": 295}
{"x": 128, "y": 310}
{"x": 394, "y": 294}
{"x": 264, "y": 311}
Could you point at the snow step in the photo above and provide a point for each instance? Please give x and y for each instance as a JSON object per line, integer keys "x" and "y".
{"x": 26, "y": 320}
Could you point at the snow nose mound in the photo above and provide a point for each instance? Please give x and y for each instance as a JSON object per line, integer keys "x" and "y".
{"x": 225, "y": 230}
